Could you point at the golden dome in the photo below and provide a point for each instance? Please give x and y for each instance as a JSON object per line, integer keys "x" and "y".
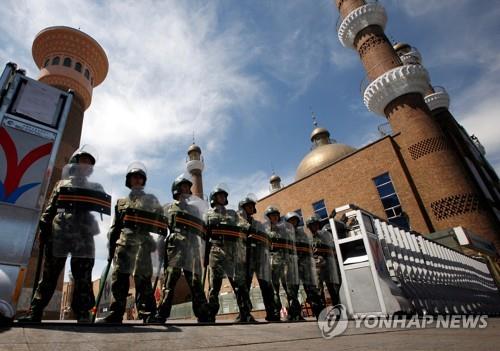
{"x": 321, "y": 157}
{"x": 319, "y": 131}
{"x": 274, "y": 178}
{"x": 194, "y": 147}
{"x": 401, "y": 46}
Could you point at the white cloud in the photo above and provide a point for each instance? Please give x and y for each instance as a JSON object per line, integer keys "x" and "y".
{"x": 172, "y": 71}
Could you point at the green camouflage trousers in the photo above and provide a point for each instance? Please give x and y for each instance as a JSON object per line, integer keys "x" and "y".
{"x": 81, "y": 269}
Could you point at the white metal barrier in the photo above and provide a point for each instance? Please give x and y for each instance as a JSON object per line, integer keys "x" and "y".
{"x": 433, "y": 278}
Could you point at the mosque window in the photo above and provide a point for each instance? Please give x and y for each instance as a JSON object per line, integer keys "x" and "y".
{"x": 78, "y": 67}
{"x": 56, "y": 60}
{"x": 390, "y": 201}
{"x": 319, "y": 208}
{"x": 67, "y": 62}
{"x": 87, "y": 74}
{"x": 46, "y": 63}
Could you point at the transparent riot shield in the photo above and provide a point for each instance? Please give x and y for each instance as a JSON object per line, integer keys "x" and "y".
{"x": 324, "y": 252}
{"x": 292, "y": 268}
{"x": 305, "y": 259}
{"x": 186, "y": 240}
{"x": 258, "y": 245}
{"x": 79, "y": 201}
{"x": 143, "y": 228}
{"x": 227, "y": 244}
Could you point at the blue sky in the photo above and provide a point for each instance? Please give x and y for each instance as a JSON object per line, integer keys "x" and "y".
{"x": 244, "y": 76}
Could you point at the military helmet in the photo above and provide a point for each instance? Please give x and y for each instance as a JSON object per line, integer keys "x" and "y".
{"x": 135, "y": 168}
{"x": 86, "y": 150}
{"x": 220, "y": 188}
{"x": 272, "y": 210}
{"x": 313, "y": 219}
{"x": 176, "y": 185}
{"x": 249, "y": 199}
{"x": 291, "y": 215}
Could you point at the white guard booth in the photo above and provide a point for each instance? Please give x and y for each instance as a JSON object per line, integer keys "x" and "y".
{"x": 367, "y": 288}
{"x": 32, "y": 120}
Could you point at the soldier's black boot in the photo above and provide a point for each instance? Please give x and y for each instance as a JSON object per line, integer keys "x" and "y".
{"x": 156, "y": 319}
{"x": 34, "y": 315}
{"x": 115, "y": 317}
{"x": 83, "y": 317}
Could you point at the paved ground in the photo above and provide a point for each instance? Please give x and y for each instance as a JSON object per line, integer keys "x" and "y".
{"x": 276, "y": 336}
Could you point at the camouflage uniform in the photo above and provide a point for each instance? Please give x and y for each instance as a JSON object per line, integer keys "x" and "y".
{"x": 226, "y": 258}
{"x": 326, "y": 264}
{"x": 133, "y": 255}
{"x": 67, "y": 232}
{"x": 284, "y": 266}
{"x": 258, "y": 262}
{"x": 182, "y": 256}
{"x": 307, "y": 270}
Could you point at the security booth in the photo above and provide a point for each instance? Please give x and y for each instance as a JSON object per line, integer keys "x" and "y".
{"x": 367, "y": 288}
{"x": 32, "y": 120}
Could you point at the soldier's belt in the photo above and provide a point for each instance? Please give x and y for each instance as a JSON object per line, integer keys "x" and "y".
{"x": 84, "y": 199}
{"x": 323, "y": 250}
{"x": 259, "y": 238}
{"x": 226, "y": 232}
{"x": 303, "y": 248}
{"x": 190, "y": 223}
{"x": 284, "y": 245}
{"x": 145, "y": 221}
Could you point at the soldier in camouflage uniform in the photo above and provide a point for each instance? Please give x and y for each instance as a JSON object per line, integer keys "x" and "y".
{"x": 284, "y": 267}
{"x": 306, "y": 265}
{"x": 326, "y": 261}
{"x": 183, "y": 251}
{"x": 68, "y": 230}
{"x": 131, "y": 245}
{"x": 257, "y": 254}
{"x": 227, "y": 254}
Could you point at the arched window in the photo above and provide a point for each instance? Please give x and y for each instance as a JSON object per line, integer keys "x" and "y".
{"x": 87, "y": 74}
{"x": 56, "y": 60}
{"x": 92, "y": 81}
{"x": 67, "y": 62}
{"x": 46, "y": 63}
{"x": 78, "y": 67}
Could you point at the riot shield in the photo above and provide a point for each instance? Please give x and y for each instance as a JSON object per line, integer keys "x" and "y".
{"x": 143, "y": 228}
{"x": 227, "y": 244}
{"x": 306, "y": 264}
{"x": 186, "y": 240}
{"x": 326, "y": 261}
{"x": 292, "y": 268}
{"x": 80, "y": 202}
{"x": 258, "y": 260}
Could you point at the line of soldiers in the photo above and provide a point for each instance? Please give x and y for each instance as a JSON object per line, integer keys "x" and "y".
{"x": 197, "y": 241}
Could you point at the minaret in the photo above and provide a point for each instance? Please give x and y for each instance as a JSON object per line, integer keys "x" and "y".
{"x": 444, "y": 189}
{"x": 274, "y": 183}
{"x": 195, "y": 167}
{"x": 70, "y": 59}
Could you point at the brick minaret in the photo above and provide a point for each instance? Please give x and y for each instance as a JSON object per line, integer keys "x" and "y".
{"x": 444, "y": 187}
{"x": 70, "y": 59}
{"x": 195, "y": 167}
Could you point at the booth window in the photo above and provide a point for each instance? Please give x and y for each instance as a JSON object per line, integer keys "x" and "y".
{"x": 390, "y": 201}
{"x": 87, "y": 74}
{"x": 56, "y": 60}
{"x": 67, "y": 62}
{"x": 78, "y": 67}
{"x": 319, "y": 208}
{"x": 47, "y": 61}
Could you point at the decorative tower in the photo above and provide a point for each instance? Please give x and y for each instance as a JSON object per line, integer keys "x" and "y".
{"x": 274, "y": 183}
{"x": 447, "y": 195}
{"x": 70, "y": 59}
{"x": 195, "y": 167}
